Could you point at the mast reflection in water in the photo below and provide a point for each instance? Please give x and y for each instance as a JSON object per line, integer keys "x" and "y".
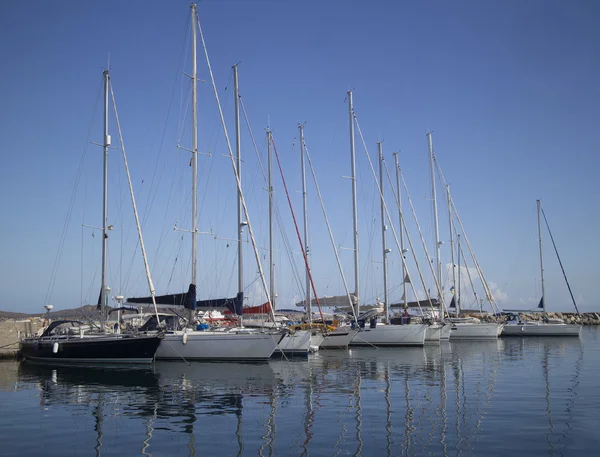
{"x": 533, "y": 397}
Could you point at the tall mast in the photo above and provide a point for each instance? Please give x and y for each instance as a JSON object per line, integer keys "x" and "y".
{"x": 404, "y": 297}
{"x": 539, "y": 206}
{"x": 306, "y": 250}
{"x": 194, "y": 162}
{"x": 458, "y": 291}
{"x": 438, "y": 263}
{"x": 354, "y": 213}
{"x": 451, "y": 225}
{"x": 385, "y": 250}
{"x": 271, "y": 265}
{"x": 236, "y": 94}
{"x": 104, "y": 290}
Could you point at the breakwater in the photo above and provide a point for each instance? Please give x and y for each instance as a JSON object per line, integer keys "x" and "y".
{"x": 12, "y": 330}
{"x": 568, "y": 318}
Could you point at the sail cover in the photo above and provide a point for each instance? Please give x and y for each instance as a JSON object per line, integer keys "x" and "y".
{"x": 234, "y": 304}
{"x": 415, "y": 304}
{"x": 265, "y": 308}
{"x": 187, "y": 300}
{"x": 337, "y": 300}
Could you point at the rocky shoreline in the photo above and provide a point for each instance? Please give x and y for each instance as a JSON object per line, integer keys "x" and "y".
{"x": 568, "y": 318}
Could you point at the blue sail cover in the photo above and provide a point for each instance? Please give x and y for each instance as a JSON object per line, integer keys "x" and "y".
{"x": 541, "y": 305}
{"x": 186, "y": 300}
{"x": 234, "y": 304}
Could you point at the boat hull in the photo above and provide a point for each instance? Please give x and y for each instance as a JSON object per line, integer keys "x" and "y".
{"x": 338, "y": 339}
{"x": 391, "y": 335}
{"x": 474, "y": 331}
{"x": 433, "y": 333}
{"x": 541, "y": 329}
{"x": 316, "y": 339}
{"x": 294, "y": 344}
{"x": 91, "y": 349}
{"x": 445, "y": 332}
{"x": 210, "y": 345}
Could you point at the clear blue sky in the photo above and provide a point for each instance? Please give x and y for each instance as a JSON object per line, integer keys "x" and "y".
{"x": 510, "y": 90}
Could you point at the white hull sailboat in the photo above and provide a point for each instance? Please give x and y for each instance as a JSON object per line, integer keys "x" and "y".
{"x": 391, "y": 335}
{"x": 194, "y": 344}
{"x": 533, "y": 328}
{"x": 294, "y": 343}
{"x": 463, "y": 330}
{"x": 217, "y": 345}
{"x": 339, "y": 338}
{"x": 433, "y": 334}
{"x": 546, "y": 327}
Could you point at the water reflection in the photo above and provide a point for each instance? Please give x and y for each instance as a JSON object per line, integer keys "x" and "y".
{"x": 454, "y": 399}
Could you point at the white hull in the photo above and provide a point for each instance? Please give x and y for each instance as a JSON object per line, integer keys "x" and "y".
{"x": 316, "y": 339}
{"x": 296, "y": 343}
{"x": 207, "y": 345}
{"x": 338, "y": 339}
{"x": 391, "y": 335}
{"x": 445, "y": 333}
{"x": 541, "y": 329}
{"x": 433, "y": 333}
{"x": 474, "y": 331}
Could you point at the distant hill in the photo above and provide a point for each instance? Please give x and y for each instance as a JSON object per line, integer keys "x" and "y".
{"x": 81, "y": 312}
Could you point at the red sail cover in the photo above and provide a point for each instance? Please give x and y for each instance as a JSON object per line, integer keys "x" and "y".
{"x": 265, "y": 308}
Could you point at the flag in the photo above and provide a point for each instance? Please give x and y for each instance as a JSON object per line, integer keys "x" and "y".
{"x": 452, "y": 290}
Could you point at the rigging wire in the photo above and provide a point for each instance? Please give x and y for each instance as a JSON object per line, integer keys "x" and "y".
{"x": 235, "y": 170}
{"x": 297, "y": 231}
{"x": 560, "y": 262}
{"x": 385, "y": 206}
{"x": 70, "y": 208}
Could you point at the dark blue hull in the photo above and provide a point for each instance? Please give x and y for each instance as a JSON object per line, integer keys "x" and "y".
{"x": 91, "y": 349}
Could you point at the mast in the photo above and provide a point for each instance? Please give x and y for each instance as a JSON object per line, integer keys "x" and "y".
{"x": 194, "y": 162}
{"x": 438, "y": 263}
{"x": 354, "y": 213}
{"x": 306, "y": 250}
{"x": 539, "y": 206}
{"x": 236, "y": 94}
{"x": 458, "y": 291}
{"x": 451, "y": 238}
{"x": 271, "y": 265}
{"x": 398, "y": 171}
{"x": 385, "y": 250}
{"x": 104, "y": 290}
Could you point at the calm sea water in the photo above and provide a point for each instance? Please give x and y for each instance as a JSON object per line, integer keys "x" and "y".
{"x": 514, "y": 397}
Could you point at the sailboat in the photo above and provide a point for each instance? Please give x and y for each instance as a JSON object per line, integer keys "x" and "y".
{"x": 294, "y": 342}
{"x": 436, "y": 331}
{"x": 375, "y": 333}
{"x": 196, "y": 343}
{"x": 462, "y": 328}
{"x": 546, "y": 327}
{"x": 69, "y": 341}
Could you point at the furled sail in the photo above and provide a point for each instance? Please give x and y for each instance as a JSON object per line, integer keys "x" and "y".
{"x": 337, "y": 301}
{"x": 234, "y": 304}
{"x": 415, "y": 304}
{"x": 265, "y": 308}
{"x": 186, "y": 300}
